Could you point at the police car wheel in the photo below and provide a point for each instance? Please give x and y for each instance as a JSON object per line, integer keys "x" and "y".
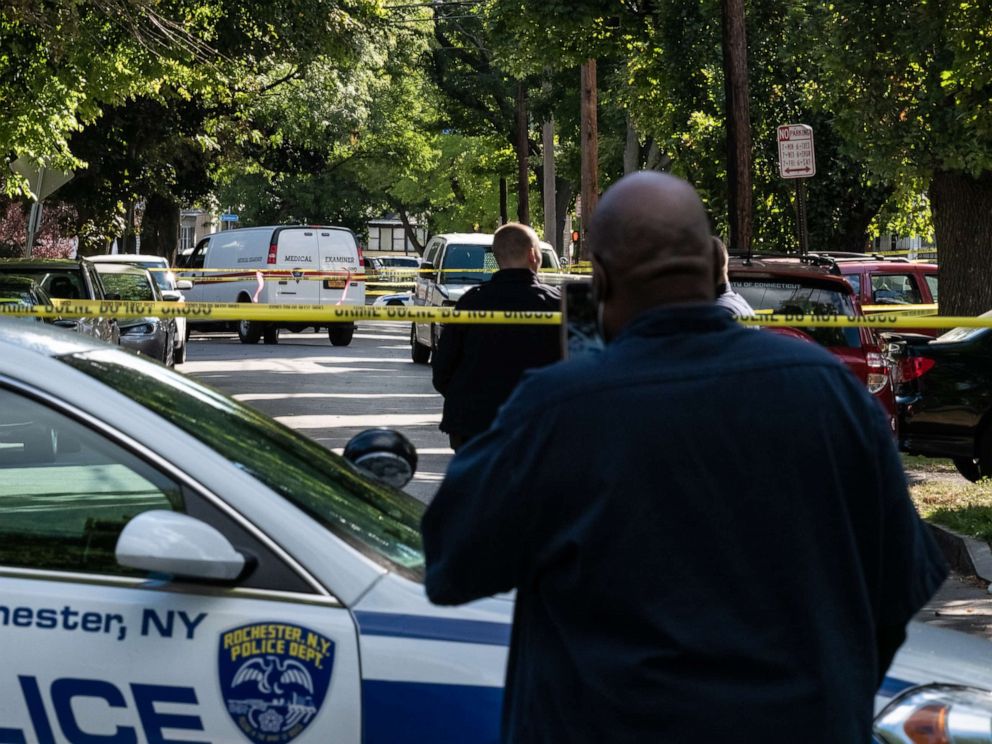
{"x": 249, "y": 332}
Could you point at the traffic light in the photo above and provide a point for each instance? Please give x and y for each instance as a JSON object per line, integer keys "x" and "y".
{"x": 575, "y": 243}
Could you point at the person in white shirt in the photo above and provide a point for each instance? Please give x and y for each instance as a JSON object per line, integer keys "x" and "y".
{"x": 726, "y": 297}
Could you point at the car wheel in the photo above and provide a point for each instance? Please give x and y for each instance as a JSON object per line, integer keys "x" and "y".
{"x": 249, "y": 332}
{"x": 41, "y": 445}
{"x": 420, "y": 353}
{"x": 341, "y": 335}
{"x": 270, "y": 334}
{"x": 968, "y": 467}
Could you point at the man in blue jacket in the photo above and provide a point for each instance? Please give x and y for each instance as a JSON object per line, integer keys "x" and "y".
{"x": 707, "y": 527}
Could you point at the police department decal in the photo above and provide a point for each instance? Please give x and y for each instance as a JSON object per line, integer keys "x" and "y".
{"x": 274, "y": 677}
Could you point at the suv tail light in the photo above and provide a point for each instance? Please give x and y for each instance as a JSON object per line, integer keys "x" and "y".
{"x": 273, "y": 249}
{"x": 361, "y": 258}
{"x": 878, "y": 372}
{"x": 912, "y": 368}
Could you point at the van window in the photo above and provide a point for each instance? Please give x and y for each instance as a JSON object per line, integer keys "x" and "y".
{"x": 430, "y": 254}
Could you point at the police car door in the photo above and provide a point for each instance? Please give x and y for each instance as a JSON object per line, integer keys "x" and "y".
{"x": 96, "y": 652}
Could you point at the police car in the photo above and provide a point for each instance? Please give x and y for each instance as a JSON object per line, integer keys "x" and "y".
{"x": 181, "y": 568}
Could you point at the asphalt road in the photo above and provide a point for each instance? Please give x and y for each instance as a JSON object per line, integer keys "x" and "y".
{"x": 332, "y": 393}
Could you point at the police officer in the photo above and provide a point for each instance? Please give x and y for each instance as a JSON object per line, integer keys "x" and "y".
{"x": 476, "y": 368}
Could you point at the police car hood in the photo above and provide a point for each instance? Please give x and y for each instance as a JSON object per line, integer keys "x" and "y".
{"x": 932, "y": 654}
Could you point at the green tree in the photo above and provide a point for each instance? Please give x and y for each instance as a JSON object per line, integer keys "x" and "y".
{"x": 910, "y": 84}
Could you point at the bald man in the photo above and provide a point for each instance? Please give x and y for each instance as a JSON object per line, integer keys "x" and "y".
{"x": 476, "y": 368}
{"x": 707, "y": 527}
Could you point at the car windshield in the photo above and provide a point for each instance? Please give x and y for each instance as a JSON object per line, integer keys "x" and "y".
{"x": 164, "y": 278}
{"x": 381, "y": 522}
{"x": 468, "y": 264}
{"x": 788, "y": 297}
{"x": 9, "y": 296}
{"x": 130, "y": 287}
{"x": 62, "y": 284}
{"x": 398, "y": 262}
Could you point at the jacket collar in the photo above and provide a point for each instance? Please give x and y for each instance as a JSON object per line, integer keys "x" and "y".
{"x": 515, "y": 275}
{"x": 668, "y": 320}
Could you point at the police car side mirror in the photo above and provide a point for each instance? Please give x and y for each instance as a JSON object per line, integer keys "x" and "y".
{"x": 171, "y": 295}
{"x": 384, "y": 454}
{"x": 176, "y": 544}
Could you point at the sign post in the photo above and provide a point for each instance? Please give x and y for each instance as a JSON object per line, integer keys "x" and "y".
{"x": 44, "y": 182}
{"x": 797, "y": 161}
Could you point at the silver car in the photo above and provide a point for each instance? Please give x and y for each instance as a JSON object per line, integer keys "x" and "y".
{"x": 152, "y": 337}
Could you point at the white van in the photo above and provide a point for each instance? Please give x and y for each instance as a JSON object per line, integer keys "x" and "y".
{"x": 224, "y": 268}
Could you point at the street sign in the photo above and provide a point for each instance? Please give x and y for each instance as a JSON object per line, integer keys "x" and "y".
{"x": 796, "y": 157}
{"x": 43, "y": 181}
{"x": 229, "y": 217}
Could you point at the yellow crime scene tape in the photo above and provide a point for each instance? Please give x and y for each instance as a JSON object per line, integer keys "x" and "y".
{"x": 216, "y": 311}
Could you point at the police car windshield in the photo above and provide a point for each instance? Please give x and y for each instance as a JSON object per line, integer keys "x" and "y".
{"x": 468, "y": 264}
{"x": 381, "y": 522}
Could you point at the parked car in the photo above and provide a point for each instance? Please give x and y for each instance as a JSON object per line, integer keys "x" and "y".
{"x": 944, "y": 392}
{"x": 452, "y": 264}
{"x": 788, "y": 285}
{"x": 878, "y": 280}
{"x": 151, "y": 336}
{"x": 171, "y": 288}
{"x": 68, "y": 279}
{"x": 225, "y": 267}
{"x": 197, "y": 566}
{"x": 393, "y": 300}
{"x": 24, "y": 292}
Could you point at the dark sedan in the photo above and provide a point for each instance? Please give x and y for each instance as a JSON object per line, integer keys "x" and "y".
{"x": 944, "y": 393}
{"x": 151, "y": 337}
{"x": 24, "y": 292}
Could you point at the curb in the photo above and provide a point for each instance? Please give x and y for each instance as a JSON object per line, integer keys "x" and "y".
{"x": 964, "y": 554}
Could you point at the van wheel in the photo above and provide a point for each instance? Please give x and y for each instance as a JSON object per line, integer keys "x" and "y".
{"x": 249, "y": 332}
{"x": 421, "y": 354}
{"x": 270, "y": 334}
{"x": 341, "y": 335}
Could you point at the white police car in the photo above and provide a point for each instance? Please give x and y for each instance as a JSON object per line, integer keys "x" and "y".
{"x": 185, "y": 569}
{"x": 178, "y": 567}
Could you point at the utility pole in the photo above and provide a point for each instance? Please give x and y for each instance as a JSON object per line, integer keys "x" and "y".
{"x": 550, "y": 215}
{"x": 735, "y": 78}
{"x": 590, "y": 150}
{"x": 523, "y": 155}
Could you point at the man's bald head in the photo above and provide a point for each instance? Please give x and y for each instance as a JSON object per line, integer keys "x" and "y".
{"x": 517, "y": 246}
{"x": 650, "y": 243}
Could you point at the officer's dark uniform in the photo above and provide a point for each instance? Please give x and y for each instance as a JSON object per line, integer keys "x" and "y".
{"x": 709, "y": 533}
{"x": 476, "y": 368}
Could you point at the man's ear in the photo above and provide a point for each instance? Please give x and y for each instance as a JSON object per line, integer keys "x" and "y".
{"x": 600, "y": 281}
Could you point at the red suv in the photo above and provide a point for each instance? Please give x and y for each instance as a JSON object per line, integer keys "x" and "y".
{"x": 889, "y": 281}
{"x": 788, "y": 285}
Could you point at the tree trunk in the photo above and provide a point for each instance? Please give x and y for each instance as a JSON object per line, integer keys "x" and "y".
{"x": 160, "y": 227}
{"x": 563, "y": 198}
{"x": 962, "y": 219}
{"x": 409, "y": 229}
{"x": 550, "y": 211}
{"x": 523, "y": 157}
{"x": 738, "y": 125}
{"x": 631, "y": 150}
{"x": 589, "y": 147}
{"x": 504, "y": 214}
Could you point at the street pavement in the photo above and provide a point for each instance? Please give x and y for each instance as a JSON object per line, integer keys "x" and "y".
{"x": 332, "y": 393}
